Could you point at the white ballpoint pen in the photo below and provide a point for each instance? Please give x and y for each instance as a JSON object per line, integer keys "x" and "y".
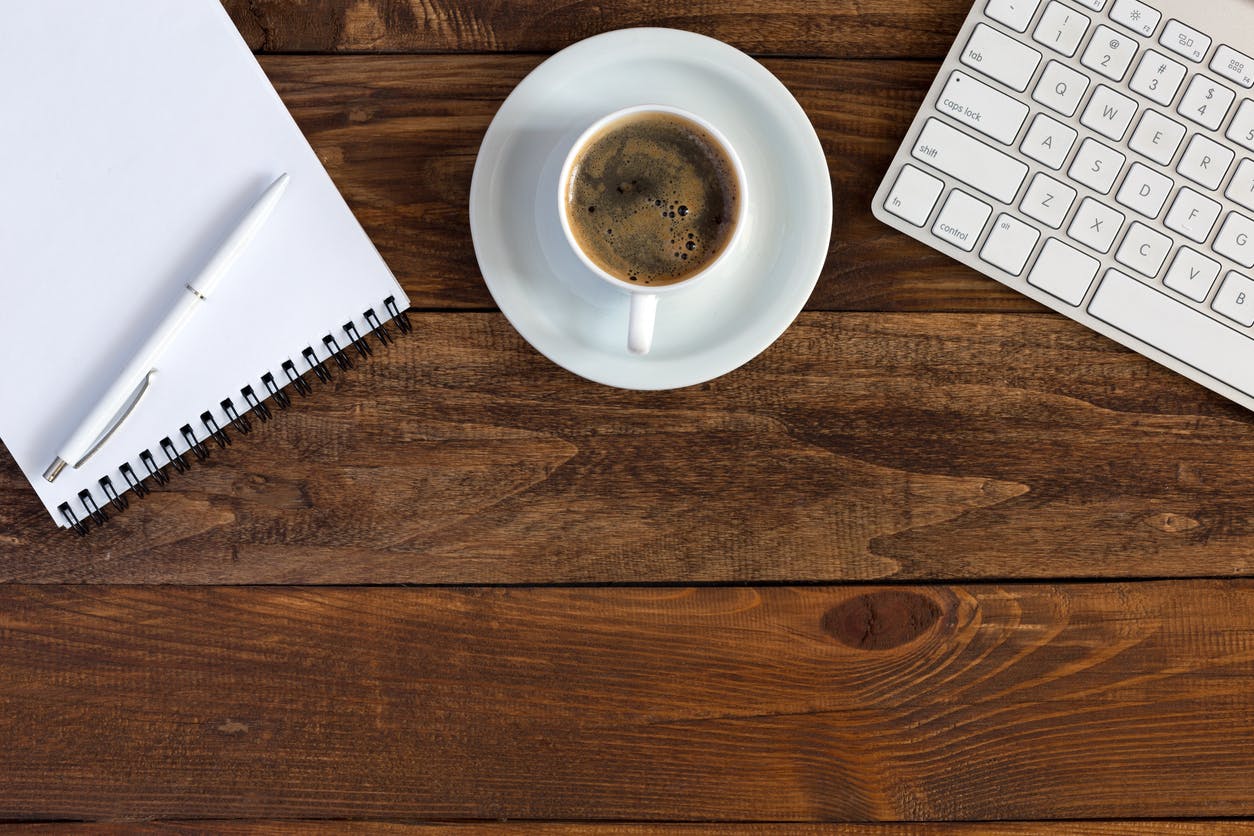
{"x": 133, "y": 383}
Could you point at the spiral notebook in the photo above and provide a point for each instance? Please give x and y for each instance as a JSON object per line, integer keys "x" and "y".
{"x": 135, "y": 135}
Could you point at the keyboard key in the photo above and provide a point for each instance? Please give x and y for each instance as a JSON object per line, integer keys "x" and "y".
{"x": 1241, "y": 131}
{"x": 1158, "y": 78}
{"x": 1206, "y": 102}
{"x": 1235, "y": 298}
{"x": 1096, "y": 166}
{"x": 1241, "y": 189}
{"x": 1109, "y": 113}
{"x": 1205, "y": 161}
{"x": 1060, "y": 88}
{"x": 1016, "y": 14}
{"x": 1001, "y": 57}
{"x": 1144, "y": 250}
{"x": 1174, "y": 328}
{"x": 1233, "y": 65}
{"x": 1064, "y": 272}
{"x": 1144, "y": 190}
{"x": 1095, "y": 225}
{"x": 975, "y": 104}
{"x": 1109, "y": 53}
{"x": 1184, "y": 40}
{"x": 1048, "y": 141}
{"x": 1095, "y": 5}
{"x": 914, "y": 195}
{"x": 1140, "y": 17}
{"x": 1192, "y": 274}
{"x": 1048, "y": 201}
{"x": 1061, "y": 28}
{"x": 967, "y": 159}
{"x": 1193, "y": 215}
{"x": 962, "y": 220}
{"x": 1157, "y": 137}
{"x": 1010, "y": 244}
{"x": 1236, "y": 239}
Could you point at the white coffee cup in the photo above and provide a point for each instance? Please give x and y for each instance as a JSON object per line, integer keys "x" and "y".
{"x": 644, "y": 299}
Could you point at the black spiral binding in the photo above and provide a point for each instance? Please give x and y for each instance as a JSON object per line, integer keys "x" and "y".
{"x": 256, "y": 407}
{"x": 240, "y": 422}
{"x": 298, "y": 383}
{"x": 117, "y": 500}
{"x": 215, "y": 432}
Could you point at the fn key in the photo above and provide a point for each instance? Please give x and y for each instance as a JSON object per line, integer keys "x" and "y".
{"x": 914, "y": 195}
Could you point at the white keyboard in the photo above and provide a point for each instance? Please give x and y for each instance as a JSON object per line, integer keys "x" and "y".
{"x": 1098, "y": 156}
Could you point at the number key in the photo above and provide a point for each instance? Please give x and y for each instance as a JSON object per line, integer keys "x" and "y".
{"x": 1157, "y": 78}
{"x": 1241, "y": 131}
{"x": 1206, "y": 102}
{"x": 1109, "y": 53}
{"x": 1061, "y": 28}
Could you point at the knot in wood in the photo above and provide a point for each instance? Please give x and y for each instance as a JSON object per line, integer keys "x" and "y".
{"x": 881, "y": 620}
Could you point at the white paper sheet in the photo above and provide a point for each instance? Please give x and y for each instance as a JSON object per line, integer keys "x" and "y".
{"x": 134, "y": 134}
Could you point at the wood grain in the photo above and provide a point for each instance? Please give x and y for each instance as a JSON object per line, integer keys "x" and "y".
{"x": 399, "y": 135}
{"x": 892, "y": 434}
{"x": 863, "y": 29}
{"x": 861, "y": 446}
{"x": 1210, "y": 827}
{"x": 778, "y": 704}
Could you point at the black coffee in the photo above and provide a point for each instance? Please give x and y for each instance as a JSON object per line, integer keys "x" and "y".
{"x": 652, "y": 198}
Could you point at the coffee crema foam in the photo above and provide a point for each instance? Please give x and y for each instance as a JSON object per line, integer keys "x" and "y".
{"x": 652, "y": 198}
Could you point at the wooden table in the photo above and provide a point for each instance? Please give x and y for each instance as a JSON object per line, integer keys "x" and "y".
{"x": 938, "y": 555}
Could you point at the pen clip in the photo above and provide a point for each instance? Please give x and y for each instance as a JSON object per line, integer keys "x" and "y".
{"x": 123, "y": 413}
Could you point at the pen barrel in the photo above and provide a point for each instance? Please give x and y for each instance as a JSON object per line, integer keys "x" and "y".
{"x": 103, "y": 417}
{"x": 125, "y": 384}
{"x": 220, "y": 264}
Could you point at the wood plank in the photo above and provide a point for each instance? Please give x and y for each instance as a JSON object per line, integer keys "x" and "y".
{"x": 399, "y": 135}
{"x": 838, "y": 28}
{"x": 780, "y": 704}
{"x": 861, "y": 446}
{"x": 222, "y": 827}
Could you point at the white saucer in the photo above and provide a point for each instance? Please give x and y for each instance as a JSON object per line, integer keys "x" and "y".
{"x": 556, "y": 303}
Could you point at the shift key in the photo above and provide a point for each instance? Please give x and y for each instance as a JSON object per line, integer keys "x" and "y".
{"x": 964, "y": 158}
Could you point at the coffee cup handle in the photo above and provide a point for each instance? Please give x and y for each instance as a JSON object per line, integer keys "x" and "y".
{"x": 640, "y": 322}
